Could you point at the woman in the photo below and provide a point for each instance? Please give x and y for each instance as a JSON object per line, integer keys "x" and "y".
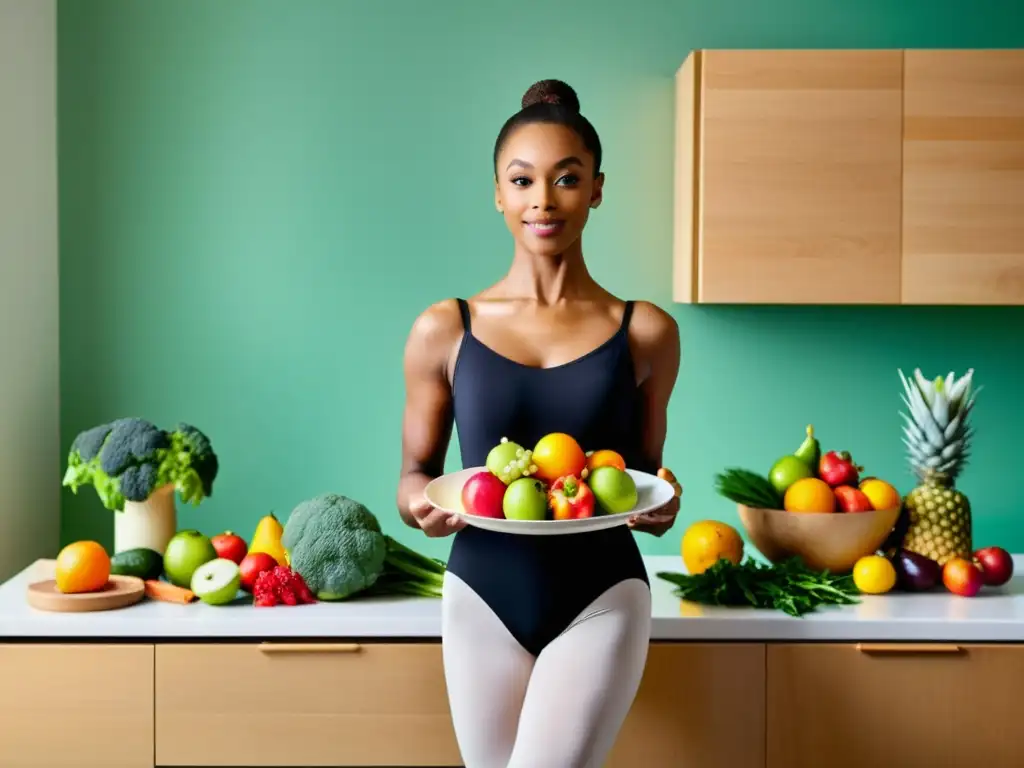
{"x": 544, "y": 637}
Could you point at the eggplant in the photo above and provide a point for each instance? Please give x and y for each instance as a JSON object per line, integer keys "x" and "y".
{"x": 914, "y": 572}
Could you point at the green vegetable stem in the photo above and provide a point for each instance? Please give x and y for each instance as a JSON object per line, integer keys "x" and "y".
{"x": 789, "y": 586}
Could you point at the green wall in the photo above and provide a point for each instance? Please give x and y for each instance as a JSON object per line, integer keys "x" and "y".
{"x": 258, "y": 198}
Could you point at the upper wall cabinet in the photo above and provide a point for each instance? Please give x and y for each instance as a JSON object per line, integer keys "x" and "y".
{"x": 850, "y": 177}
{"x": 963, "y": 177}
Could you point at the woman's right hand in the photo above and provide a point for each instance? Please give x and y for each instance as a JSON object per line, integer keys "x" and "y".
{"x": 435, "y": 522}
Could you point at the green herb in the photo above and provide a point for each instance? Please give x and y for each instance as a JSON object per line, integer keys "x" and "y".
{"x": 789, "y": 586}
{"x": 749, "y": 488}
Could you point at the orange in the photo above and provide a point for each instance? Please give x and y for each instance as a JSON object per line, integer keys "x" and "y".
{"x": 82, "y": 566}
{"x": 809, "y": 494}
{"x": 605, "y": 458}
{"x": 557, "y": 455}
{"x": 880, "y": 493}
{"x": 708, "y": 541}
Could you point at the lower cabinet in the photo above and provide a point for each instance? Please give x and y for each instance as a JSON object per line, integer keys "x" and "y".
{"x": 302, "y": 704}
{"x": 700, "y": 705}
{"x": 894, "y": 705}
{"x": 76, "y": 706}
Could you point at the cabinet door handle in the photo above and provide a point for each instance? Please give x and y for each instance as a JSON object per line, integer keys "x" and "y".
{"x": 310, "y": 647}
{"x": 908, "y": 648}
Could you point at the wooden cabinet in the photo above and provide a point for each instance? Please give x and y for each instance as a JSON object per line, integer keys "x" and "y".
{"x": 699, "y": 706}
{"x": 702, "y": 705}
{"x": 302, "y": 704}
{"x": 88, "y": 706}
{"x": 790, "y": 182}
{"x": 963, "y": 184}
{"x": 873, "y": 177}
{"x": 906, "y": 705}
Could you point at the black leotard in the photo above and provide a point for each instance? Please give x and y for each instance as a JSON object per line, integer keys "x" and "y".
{"x": 537, "y": 585}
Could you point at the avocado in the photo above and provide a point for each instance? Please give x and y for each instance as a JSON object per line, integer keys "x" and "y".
{"x": 141, "y": 562}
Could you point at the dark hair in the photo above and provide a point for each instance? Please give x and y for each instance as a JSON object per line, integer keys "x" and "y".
{"x": 552, "y": 101}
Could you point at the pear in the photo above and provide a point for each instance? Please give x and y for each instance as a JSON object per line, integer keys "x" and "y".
{"x": 268, "y": 539}
{"x": 809, "y": 451}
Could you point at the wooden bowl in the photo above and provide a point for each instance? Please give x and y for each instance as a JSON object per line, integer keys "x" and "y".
{"x": 823, "y": 540}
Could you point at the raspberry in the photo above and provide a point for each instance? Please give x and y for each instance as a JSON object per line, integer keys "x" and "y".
{"x": 281, "y": 586}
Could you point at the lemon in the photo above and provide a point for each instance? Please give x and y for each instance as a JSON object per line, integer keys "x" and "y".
{"x": 706, "y": 542}
{"x": 874, "y": 575}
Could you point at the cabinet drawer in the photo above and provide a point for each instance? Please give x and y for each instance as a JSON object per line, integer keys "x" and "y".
{"x": 906, "y": 705}
{"x": 309, "y": 704}
{"x": 699, "y": 706}
{"x": 88, "y": 706}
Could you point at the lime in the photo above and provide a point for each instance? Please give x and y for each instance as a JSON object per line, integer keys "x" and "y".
{"x": 787, "y": 470}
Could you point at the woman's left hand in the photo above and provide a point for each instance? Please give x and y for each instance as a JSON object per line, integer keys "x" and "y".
{"x": 660, "y": 520}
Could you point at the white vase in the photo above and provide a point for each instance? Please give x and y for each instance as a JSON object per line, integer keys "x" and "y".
{"x": 150, "y": 523}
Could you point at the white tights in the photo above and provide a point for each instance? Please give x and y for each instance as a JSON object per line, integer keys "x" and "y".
{"x": 560, "y": 710}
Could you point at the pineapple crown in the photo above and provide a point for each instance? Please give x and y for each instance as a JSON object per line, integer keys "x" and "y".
{"x": 936, "y": 432}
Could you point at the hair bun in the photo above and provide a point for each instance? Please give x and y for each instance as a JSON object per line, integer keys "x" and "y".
{"x": 551, "y": 92}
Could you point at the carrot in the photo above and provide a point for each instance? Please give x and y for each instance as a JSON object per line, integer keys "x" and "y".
{"x": 164, "y": 590}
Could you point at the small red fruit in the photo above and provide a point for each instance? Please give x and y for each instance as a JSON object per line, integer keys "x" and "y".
{"x": 838, "y": 469}
{"x": 482, "y": 495}
{"x": 252, "y": 566}
{"x": 962, "y": 577}
{"x": 570, "y": 499}
{"x": 850, "y": 499}
{"x": 230, "y": 546}
{"x": 996, "y": 565}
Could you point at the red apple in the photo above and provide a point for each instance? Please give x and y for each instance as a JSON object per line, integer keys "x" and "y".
{"x": 482, "y": 495}
{"x": 962, "y": 577}
{"x": 996, "y": 565}
{"x": 252, "y": 566}
{"x": 230, "y": 546}
{"x": 837, "y": 468}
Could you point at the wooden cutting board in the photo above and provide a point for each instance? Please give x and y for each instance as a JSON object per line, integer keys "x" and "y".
{"x": 120, "y": 592}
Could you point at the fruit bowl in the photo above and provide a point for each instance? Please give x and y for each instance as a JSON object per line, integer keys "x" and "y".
{"x": 823, "y": 540}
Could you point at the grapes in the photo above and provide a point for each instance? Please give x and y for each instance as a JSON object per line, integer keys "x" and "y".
{"x": 509, "y": 461}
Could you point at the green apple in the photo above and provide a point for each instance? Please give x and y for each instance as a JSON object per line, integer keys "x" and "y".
{"x": 614, "y": 490}
{"x": 525, "y": 499}
{"x": 216, "y": 582}
{"x": 185, "y": 552}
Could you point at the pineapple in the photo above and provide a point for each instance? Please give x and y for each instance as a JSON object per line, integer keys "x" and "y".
{"x": 938, "y": 441}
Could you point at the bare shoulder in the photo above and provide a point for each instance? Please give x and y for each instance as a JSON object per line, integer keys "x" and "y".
{"x": 434, "y": 334}
{"x": 653, "y": 327}
{"x": 441, "y": 322}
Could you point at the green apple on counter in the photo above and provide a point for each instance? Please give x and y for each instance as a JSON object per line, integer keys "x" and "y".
{"x": 216, "y": 582}
{"x": 186, "y": 551}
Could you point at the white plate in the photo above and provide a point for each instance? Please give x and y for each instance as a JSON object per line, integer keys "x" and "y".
{"x": 445, "y": 493}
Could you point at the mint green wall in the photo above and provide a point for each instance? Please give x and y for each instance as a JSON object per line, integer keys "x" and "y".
{"x": 257, "y": 199}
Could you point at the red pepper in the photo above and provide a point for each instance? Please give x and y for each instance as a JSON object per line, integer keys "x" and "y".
{"x": 570, "y": 499}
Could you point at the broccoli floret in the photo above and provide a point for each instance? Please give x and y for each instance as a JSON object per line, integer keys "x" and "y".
{"x": 338, "y": 547}
{"x": 138, "y": 481}
{"x": 89, "y": 442}
{"x": 202, "y": 459}
{"x": 130, "y": 442}
{"x": 127, "y": 459}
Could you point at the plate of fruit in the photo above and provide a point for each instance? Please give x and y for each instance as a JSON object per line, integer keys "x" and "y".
{"x": 551, "y": 488}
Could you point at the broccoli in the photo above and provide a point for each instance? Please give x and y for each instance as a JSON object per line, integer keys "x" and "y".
{"x": 127, "y": 459}
{"x": 336, "y": 544}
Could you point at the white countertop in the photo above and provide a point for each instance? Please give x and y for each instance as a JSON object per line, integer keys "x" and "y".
{"x": 996, "y": 615}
